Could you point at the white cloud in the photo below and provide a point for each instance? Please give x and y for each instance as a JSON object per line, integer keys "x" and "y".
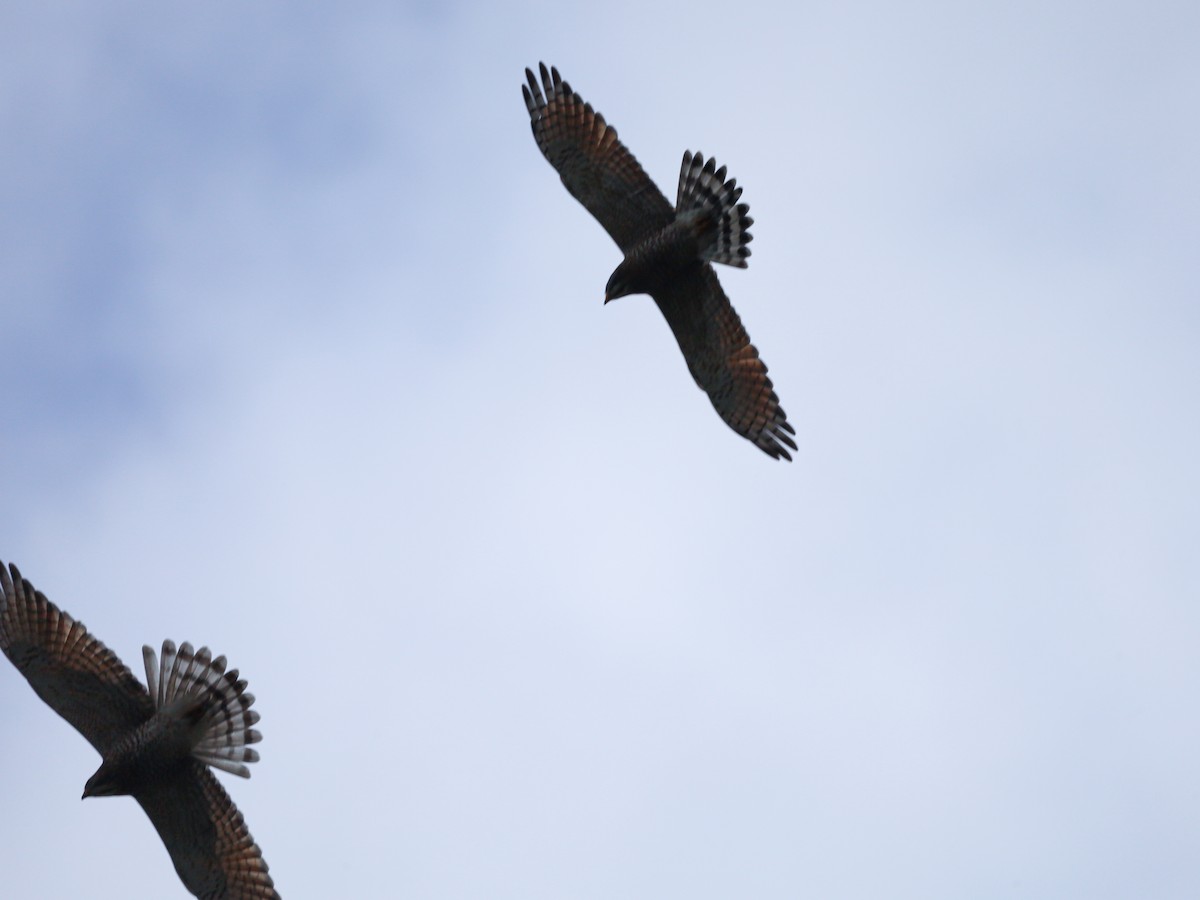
{"x": 305, "y": 358}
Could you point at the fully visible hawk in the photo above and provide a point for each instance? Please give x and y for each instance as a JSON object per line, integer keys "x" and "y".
{"x": 156, "y": 745}
{"x": 668, "y": 250}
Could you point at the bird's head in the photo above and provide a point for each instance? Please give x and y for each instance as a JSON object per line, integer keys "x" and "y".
{"x": 106, "y": 782}
{"x": 620, "y": 284}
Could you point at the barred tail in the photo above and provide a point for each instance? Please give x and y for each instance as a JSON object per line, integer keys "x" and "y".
{"x": 192, "y": 684}
{"x": 703, "y": 189}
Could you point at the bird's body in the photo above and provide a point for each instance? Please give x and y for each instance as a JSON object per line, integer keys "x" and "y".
{"x": 154, "y": 751}
{"x": 669, "y": 251}
{"x": 653, "y": 264}
{"x": 156, "y": 745}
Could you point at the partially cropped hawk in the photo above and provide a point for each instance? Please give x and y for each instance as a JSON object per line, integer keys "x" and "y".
{"x": 668, "y": 250}
{"x": 156, "y": 745}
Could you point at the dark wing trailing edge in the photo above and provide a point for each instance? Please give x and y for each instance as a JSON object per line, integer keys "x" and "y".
{"x": 595, "y": 167}
{"x": 74, "y": 673}
{"x": 210, "y": 845}
{"x": 723, "y": 361}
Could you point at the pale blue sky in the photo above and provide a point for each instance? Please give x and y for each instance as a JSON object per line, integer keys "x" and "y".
{"x": 304, "y": 358}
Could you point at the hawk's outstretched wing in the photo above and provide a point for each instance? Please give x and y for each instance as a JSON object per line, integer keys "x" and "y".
{"x": 210, "y": 845}
{"x": 74, "y": 673}
{"x": 85, "y": 683}
{"x": 595, "y": 167}
{"x": 723, "y": 361}
{"x": 604, "y": 176}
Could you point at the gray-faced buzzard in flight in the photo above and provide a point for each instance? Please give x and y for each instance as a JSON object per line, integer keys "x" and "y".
{"x": 156, "y": 744}
{"x": 669, "y": 251}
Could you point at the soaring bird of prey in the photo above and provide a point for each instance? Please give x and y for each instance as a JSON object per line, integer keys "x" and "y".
{"x": 156, "y": 744}
{"x": 668, "y": 250}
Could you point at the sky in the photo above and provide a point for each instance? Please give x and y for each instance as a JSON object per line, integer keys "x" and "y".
{"x": 304, "y": 358}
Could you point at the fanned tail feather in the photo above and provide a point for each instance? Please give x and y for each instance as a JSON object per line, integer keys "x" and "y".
{"x": 703, "y": 189}
{"x": 191, "y": 682}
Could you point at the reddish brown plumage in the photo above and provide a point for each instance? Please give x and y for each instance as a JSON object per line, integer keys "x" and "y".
{"x": 667, "y": 251}
{"x": 85, "y": 683}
